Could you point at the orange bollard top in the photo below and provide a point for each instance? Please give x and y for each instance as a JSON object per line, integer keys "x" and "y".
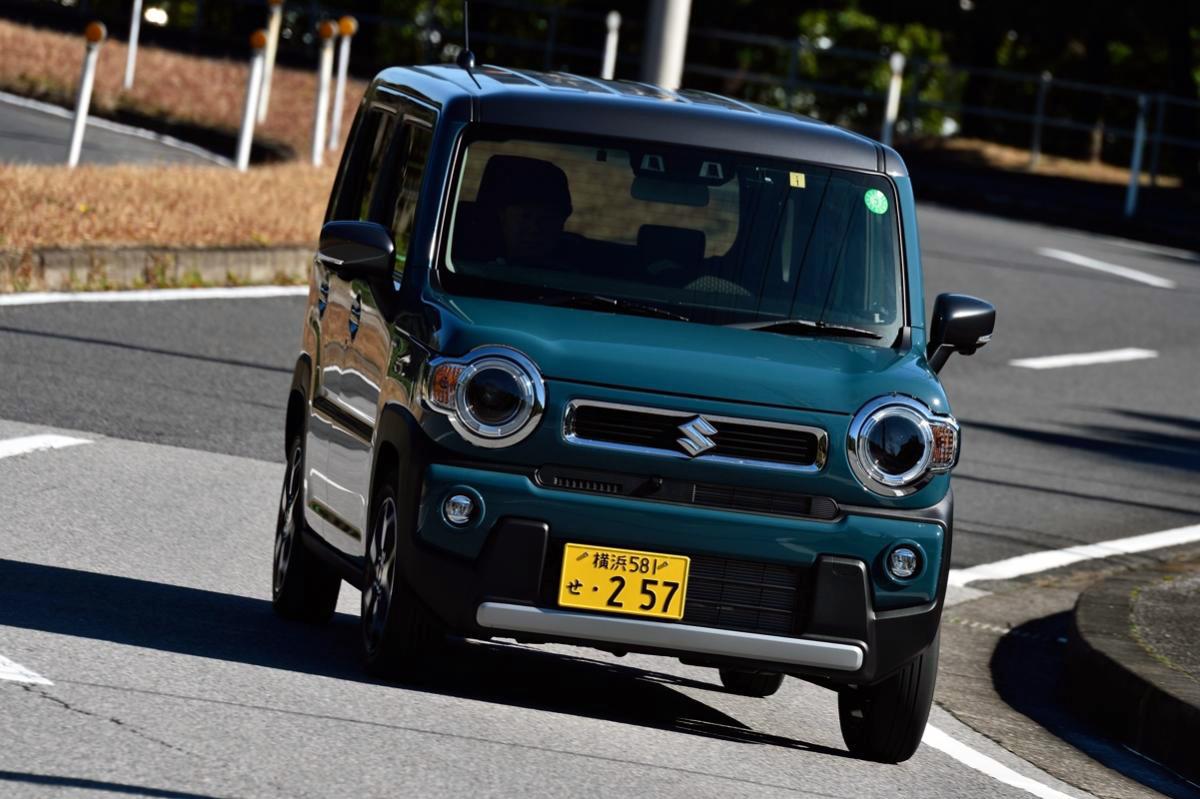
{"x": 274, "y": 3}
{"x": 348, "y": 26}
{"x": 258, "y": 39}
{"x": 326, "y": 30}
{"x": 95, "y": 32}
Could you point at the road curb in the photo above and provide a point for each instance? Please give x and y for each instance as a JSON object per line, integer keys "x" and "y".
{"x": 73, "y": 269}
{"x": 1117, "y": 684}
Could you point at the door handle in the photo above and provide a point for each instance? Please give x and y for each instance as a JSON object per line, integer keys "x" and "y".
{"x": 355, "y": 316}
{"x": 323, "y": 298}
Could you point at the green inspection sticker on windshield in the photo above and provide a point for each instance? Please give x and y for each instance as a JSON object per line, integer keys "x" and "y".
{"x": 876, "y": 201}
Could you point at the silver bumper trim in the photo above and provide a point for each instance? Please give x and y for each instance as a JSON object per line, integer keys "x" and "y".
{"x": 684, "y": 638}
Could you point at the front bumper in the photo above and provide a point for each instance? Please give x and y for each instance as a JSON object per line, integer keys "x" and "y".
{"x": 853, "y": 624}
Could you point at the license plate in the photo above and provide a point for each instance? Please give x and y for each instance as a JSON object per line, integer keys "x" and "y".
{"x": 623, "y": 581}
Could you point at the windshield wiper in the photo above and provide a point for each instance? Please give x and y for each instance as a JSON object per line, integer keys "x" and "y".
{"x": 601, "y": 303}
{"x": 807, "y": 327}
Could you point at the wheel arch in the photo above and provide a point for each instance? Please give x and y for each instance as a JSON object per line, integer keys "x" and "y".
{"x": 298, "y": 396}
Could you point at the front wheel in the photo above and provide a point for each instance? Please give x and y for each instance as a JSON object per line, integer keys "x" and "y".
{"x": 397, "y": 630}
{"x": 885, "y": 721}
{"x": 302, "y": 586}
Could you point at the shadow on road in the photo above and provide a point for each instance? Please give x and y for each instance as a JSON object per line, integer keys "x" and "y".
{"x": 51, "y": 781}
{"x": 210, "y": 624}
{"x": 1028, "y": 673}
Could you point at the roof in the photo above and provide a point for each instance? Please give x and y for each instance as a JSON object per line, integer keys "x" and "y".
{"x": 628, "y": 109}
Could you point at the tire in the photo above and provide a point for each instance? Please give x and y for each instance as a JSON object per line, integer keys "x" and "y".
{"x": 302, "y": 586}
{"x": 884, "y": 722}
{"x": 751, "y": 683}
{"x": 398, "y": 632}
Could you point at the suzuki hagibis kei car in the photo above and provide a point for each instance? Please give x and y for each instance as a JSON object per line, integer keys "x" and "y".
{"x": 603, "y": 364}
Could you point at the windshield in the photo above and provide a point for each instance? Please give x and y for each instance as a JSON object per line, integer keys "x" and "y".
{"x": 657, "y": 230}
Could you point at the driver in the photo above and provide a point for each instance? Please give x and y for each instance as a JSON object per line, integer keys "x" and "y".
{"x": 531, "y": 202}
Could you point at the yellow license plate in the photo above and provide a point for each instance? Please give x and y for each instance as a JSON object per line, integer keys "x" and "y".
{"x": 623, "y": 581}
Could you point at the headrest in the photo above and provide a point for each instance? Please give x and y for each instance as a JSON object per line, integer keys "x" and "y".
{"x": 682, "y": 245}
{"x": 516, "y": 180}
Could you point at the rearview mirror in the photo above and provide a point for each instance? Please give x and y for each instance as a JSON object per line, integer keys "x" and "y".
{"x": 959, "y": 324}
{"x": 357, "y": 249}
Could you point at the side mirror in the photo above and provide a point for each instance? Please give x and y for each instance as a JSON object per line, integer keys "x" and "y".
{"x": 959, "y": 324}
{"x": 357, "y": 249}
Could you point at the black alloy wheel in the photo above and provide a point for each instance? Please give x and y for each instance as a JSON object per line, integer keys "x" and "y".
{"x": 302, "y": 587}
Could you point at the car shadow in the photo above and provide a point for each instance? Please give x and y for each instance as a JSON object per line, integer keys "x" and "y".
{"x": 227, "y": 627}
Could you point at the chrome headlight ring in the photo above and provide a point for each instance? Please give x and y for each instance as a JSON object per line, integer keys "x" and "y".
{"x": 937, "y": 434}
{"x": 446, "y": 390}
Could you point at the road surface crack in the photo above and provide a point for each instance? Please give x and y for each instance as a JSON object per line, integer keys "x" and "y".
{"x": 124, "y": 725}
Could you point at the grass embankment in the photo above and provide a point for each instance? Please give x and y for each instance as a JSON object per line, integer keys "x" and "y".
{"x": 50, "y": 206}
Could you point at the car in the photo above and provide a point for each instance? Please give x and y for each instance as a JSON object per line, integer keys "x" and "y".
{"x": 598, "y": 363}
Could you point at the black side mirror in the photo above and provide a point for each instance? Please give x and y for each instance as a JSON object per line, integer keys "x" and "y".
{"x": 357, "y": 249}
{"x": 959, "y": 324}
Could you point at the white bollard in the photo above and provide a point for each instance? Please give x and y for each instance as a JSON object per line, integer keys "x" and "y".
{"x": 325, "y": 31}
{"x": 609, "y": 68}
{"x": 135, "y": 27}
{"x": 892, "y": 109}
{"x": 94, "y": 34}
{"x": 258, "y": 41}
{"x": 274, "y": 24}
{"x": 347, "y": 27}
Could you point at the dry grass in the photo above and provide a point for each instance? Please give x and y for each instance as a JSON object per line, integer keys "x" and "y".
{"x": 171, "y": 86}
{"x": 1016, "y": 159}
{"x": 43, "y": 206}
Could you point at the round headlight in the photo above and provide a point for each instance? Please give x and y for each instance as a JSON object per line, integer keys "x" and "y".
{"x": 891, "y": 446}
{"x": 494, "y": 397}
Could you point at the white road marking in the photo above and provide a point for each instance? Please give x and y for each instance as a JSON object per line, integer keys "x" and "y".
{"x": 15, "y": 672}
{"x": 27, "y": 444}
{"x": 990, "y": 766}
{"x": 115, "y": 127}
{"x": 1033, "y": 562}
{"x": 1084, "y": 358}
{"x": 1103, "y": 266}
{"x": 153, "y": 295}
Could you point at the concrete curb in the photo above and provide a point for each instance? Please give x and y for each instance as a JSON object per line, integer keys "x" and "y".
{"x": 1118, "y": 685}
{"x": 58, "y": 269}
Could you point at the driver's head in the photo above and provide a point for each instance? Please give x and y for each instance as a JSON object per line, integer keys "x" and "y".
{"x": 531, "y": 201}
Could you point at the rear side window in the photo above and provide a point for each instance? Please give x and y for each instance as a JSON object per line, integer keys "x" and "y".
{"x": 361, "y": 165}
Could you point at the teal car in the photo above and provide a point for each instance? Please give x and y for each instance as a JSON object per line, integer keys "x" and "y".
{"x": 603, "y": 364}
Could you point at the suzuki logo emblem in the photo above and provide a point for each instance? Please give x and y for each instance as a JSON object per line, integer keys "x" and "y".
{"x": 696, "y": 436}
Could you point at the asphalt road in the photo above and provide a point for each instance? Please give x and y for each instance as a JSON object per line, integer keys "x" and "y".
{"x": 135, "y": 572}
{"x": 36, "y": 133}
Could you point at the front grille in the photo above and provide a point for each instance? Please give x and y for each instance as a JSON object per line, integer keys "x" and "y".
{"x": 738, "y": 439}
{"x": 742, "y": 595}
{"x": 756, "y": 500}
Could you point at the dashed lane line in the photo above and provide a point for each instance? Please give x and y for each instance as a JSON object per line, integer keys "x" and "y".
{"x": 1103, "y": 266}
{"x": 154, "y": 295}
{"x": 15, "y": 672}
{"x": 1084, "y": 358}
{"x": 25, "y": 444}
{"x": 1034, "y": 562}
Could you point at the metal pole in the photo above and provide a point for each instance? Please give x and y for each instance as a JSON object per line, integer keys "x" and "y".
{"x": 608, "y": 69}
{"x": 326, "y": 32}
{"x": 135, "y": 27}
{"x": 666, "y": 42}
{"x": 94, "y": 34}
{"x": 347, "y": 27}
{"x": 274, "y": 24}
{"x": 1135, "y": 166}
{"x": 1159, "y": 115}
{"x": 1039, "y": 114}
{"x": 254, "y": 82}
{"x": 892, "y": 109}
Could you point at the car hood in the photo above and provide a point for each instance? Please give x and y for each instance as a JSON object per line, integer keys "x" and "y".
{"x": 683, "y": 358}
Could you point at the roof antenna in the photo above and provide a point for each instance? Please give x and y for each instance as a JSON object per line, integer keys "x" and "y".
{"x": 466, "y": 59}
